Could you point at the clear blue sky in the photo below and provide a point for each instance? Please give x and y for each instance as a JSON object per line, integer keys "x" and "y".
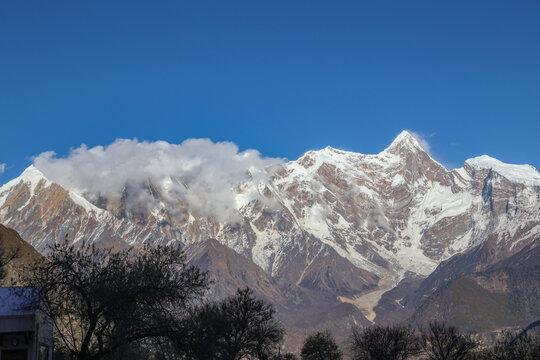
{"x": 280, "y": 77}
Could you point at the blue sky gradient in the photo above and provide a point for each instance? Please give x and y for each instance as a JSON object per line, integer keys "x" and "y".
{"x": 280, "y": 77}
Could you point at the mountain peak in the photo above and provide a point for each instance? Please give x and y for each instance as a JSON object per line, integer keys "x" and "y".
{"x": 31, "y": 175}
{"x": 405, "y": 139}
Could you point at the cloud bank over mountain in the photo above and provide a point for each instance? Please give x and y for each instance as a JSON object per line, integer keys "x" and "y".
{"x": 198, "y": 171}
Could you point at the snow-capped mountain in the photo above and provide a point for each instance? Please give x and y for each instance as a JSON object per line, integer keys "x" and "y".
{"x": 332, "y": 221}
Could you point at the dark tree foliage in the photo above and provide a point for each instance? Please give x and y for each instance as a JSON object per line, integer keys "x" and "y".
{"x": 239, "y": 327}
{"x": 286, "y": 356}
{"x": 384, "y": 343}
{"x": 320, "y": 346}
{"x": 508, "y": 347}
{"x": 205, "y": 334}
{"x": 442, "y": 342}
{"x": 100, "y": 300}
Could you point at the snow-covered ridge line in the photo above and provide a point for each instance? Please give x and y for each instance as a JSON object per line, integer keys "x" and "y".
{"x": 523, "y": 174}
{"x": 405, "y": 141}
{"x": 85, "y": 204}
{"x": 405, "y": 138}
{"x": 33, "y": 177}
{"x": 520, "y": 173}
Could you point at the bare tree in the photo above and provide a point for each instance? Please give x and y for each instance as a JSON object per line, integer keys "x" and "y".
{"x": 239, "y": 327}
{"x": 442, "y": 342}
{"x": 384, "y": 343}
{"x": 320, "y": 346}
{"x": 101, "y": 300}
{"x": 511, "y": 347}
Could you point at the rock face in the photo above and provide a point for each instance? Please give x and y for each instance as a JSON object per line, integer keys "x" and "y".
{"x": 332, "y": 224}
{"x": 504, "y": 295}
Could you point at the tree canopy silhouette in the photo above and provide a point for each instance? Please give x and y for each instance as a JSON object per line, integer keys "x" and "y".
{"x": 238, "y": 327}
{"x": 101, "y": 300}
{"x": 443, "y": 342}
{"x": 321, "y": 346}
{"x": 384, "y": 343}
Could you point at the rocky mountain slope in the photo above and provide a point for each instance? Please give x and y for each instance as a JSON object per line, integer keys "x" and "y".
{"x": 20, "y": 253}
{"x": 298, "y": 307}
{"x": 333, "y": 223}
{"x": 505, "y": 295}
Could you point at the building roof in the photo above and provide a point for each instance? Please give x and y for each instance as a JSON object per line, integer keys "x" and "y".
{"x": 18, "y": 301}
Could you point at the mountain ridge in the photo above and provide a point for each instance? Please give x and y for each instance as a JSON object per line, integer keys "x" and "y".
{"x": 333, "y": 222}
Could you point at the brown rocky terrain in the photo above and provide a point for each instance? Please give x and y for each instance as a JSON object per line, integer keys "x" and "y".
{"x": 505, "y": 295}
{"x": 21, "y": 253}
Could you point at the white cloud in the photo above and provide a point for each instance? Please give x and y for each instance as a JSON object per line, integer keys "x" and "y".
{"x": 424, "y": 143}
{"x": 2, "y": 168}
{"x": 198, "y": 172}
{"x": 422, "y": 140}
